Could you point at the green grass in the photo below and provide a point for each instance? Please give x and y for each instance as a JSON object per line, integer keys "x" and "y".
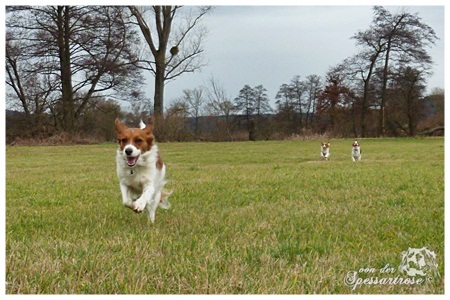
{"x": 246, "y": 218}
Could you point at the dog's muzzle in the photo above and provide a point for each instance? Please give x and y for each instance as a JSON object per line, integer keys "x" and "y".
{"x": 131, "y": 161}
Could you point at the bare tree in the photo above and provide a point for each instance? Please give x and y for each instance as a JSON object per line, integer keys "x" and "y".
{"x": 363, "y": 65}
{"x": 194, "y": 101}
{"x": 393, "y": 38}
{"x": 286, "y": 108}
{"x": 33, "y": 89}
{"x": 313, "y": 87}
{"x": 296, "y": 90}
{"x": 262, "y": 105}
{"x": 245, "y": 103}
{"x": 332, "y": 99}
{"x": 219, "y": 103}
{"x": 220, "y": 106}
{"x": 176, "y": 47}
{"x": 407, "y": 36}
{"x": 409, "y": 85}
{"x": 76, "y": 53}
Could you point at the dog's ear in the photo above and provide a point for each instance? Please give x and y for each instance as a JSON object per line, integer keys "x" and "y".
{"x": 119, "y": 126}
{"x": 150, "y": 138}
{"x": 149, "y": 127}
{"x": 149, "y": 131}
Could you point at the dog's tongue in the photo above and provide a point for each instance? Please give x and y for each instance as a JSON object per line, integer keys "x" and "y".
{"x": 132, "y": 160}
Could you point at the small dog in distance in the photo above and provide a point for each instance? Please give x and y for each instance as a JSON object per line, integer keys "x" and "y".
{"x": 325, "y": 150}
{"x": 356, "y": 151}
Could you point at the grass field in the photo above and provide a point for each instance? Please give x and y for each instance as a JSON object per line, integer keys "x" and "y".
{"x": 246, "y": 218}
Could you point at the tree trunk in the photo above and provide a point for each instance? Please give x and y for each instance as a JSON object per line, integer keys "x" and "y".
{"x": 164, "y": 26}
{"x": 412, "y": 127}
{"x": 363, "y": 114}
{"x": 66, "y": 73}
{"x": 383, "y": 92}
{"x": 159, "y": 91}
{"x": 410, "y": 113}
{"x": 382, "y": 116}
{"x": 364, "y": 105}
{"x": 252, "y": 130}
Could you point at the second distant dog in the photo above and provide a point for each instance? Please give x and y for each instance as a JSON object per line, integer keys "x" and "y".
{"x": 325, "y": 150}
{"x": 356, "y": 151}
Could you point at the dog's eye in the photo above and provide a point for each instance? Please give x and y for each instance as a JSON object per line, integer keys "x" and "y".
{"x": 138, "y": 141}
{"x": 123, "y": 141}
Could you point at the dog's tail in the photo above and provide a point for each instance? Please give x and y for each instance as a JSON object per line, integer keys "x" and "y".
{"x": 164, "y": 203}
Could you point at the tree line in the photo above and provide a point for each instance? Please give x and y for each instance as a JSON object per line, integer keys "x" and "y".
{"x": 66, "y": 67}
{"x": 311, "y": 108}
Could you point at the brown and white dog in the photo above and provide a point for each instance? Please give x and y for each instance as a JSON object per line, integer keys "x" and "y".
{"x": 140, "y": 169}
{"x": 325, "y": 150}
{"x": 356, "y": 151}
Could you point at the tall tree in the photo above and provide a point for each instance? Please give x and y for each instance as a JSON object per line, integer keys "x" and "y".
{"x": 363, "y": 65}
{"x": 220, "y": 106}
{"x": 245, "y": 103}
{"x": 286, "y": 107}
{"x": 252, "y": 102}
{"x": 409, "y": 85}
{"x": 407, "y": 36}
{"x": 176, "y": 48}
{"x": 219, "y": 103}
{"x": 262, "y": 105}
{"x": 75, "y": 52}
{"x": 313, "y": 87}
{"x": 297, "y": 89}
{"x": 394, "y": 38}
{"x": 27, "y": 84}
{"x": 194, "y": 100}
{"x": 333, "y": 98}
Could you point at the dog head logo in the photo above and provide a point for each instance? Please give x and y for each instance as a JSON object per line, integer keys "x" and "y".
{"x": 418, "y": 262}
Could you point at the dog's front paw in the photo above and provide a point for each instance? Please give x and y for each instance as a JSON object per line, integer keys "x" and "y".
{"x": 138, "y": 206}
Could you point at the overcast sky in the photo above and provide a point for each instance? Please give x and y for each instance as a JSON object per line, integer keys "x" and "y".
{"x": 269, "y": 45}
